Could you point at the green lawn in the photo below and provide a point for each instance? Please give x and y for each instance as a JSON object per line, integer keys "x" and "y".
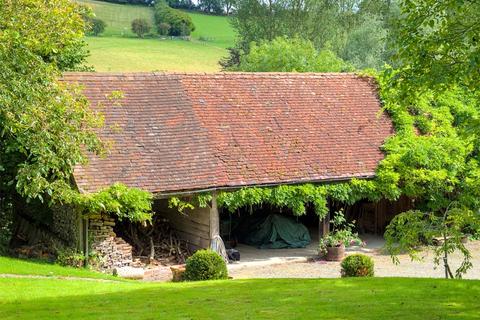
{"x": 214, "y": 30}
{"x": 24, "y": 267}
{"x": 377, "y": 298}
{"x": 127, "y": 54}
{"x": 118, "y": 49}
{"x": 118, "y": 17}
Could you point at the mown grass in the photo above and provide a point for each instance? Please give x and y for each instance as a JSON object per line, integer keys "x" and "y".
{"x": 376, "y": 298}
{"x": 118, "y": 49}
{"x": 38, "y": 268}
{"x": 214, "y": 30}
{"x": 209, "y": 28}
{"x": 118, "y": 17}
{"x": 124, "y": 55}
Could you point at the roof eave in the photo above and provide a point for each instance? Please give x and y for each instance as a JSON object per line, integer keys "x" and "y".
{"x": 169, "y": 194}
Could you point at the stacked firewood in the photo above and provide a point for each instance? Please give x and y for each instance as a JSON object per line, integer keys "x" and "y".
{"x": 155, "y": 243}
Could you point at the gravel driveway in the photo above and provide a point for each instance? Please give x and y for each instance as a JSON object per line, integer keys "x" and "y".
{"x": 300, "y": 268}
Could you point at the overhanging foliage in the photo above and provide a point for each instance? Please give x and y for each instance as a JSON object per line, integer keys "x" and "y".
{"x": 119, "y": 200}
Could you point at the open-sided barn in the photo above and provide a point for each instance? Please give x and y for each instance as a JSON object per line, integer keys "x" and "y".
{"x": 180, "y": 134}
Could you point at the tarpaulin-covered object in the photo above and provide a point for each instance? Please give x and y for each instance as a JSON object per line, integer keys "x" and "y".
{"x": 276, "y": 231}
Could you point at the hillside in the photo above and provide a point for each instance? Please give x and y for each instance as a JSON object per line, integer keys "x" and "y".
{"x": 118, "y": 49}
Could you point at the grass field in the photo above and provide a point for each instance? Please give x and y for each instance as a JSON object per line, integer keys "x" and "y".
{"x": 360, "y": 298}
{"x": 377, "y": 298}
{"x": 118, "y": 49}
{"x": 215, "y": 30}
{"x": 118, "y": 17}
{"x": 24, "y": 267}
{"x": 126, "y": 54}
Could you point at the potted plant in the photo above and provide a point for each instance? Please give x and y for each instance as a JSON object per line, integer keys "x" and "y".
{"x": 332, "y": 245}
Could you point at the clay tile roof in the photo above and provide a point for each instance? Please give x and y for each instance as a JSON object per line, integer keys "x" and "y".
{"x": 187, "y": 132}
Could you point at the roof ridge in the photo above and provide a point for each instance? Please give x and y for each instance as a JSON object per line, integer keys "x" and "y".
{"x": 250, "y": 74}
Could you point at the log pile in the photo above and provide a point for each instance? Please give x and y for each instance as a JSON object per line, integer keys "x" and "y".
{"x": 113, "y": 250}
{"x": 156, "y": 243}
{"x": 39, "y": 251}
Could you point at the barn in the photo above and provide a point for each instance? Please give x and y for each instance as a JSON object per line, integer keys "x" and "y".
{"x": 183, "y": 134}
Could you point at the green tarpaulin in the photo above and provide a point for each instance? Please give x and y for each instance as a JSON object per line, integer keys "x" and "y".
{"x": 274, "y": 232}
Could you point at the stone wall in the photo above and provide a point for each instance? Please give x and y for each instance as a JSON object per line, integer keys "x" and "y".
{"x": 113, "y": 251}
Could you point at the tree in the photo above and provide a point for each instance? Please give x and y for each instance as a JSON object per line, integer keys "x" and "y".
{"x": 95, "y": 26}
{"x": 290, "y": 55}
{"x": 439, "y": 43}
{"x": 211, "y": 6}
{"x": 73, "y": 51}
{"x": 365, "y": 46}
{"x": 434, "y": 156}
{"x": 180, "y": 23}
{"x": 445, "y": 234}
{"x": 183, "y": 4}
{"x": 38, "y": 111}
{"x": 46, "y": 125}
{"x": 229, "y": 6}
{"x": 140, "y": 27}
{"x": 323, "y": 22}
{"x": 433, "y": 159}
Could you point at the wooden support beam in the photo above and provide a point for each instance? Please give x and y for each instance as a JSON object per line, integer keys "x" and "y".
{"x": 324, "y": 226}
{"x": 216, "y": 242}
{"x": 214, "y": 218}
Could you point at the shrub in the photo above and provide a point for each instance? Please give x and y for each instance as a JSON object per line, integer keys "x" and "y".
{"x": 70, "y": 258}
{"x": 205, "y": 265}
{"x": 97, "y": 26}
{"x": 140, "y": 27}
{"x": 357, "y": 265}
{"x": 180, "y": 23}
{"x": 290, "y": 55}
{"x": 163, "y": 29}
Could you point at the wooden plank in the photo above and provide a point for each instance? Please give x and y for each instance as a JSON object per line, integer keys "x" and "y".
{"x": 199, "y": 215}
{"x": 194, "y": 239}
{"x": 190, "y": 225}
{"x": 193, "y": 227}
{"x": 190, "y": 236}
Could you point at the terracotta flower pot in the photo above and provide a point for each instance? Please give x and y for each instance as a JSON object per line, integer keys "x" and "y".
{"x": 335, "y": 253}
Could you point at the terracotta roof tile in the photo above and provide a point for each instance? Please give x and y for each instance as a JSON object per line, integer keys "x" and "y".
{"x": 175, "y": 132}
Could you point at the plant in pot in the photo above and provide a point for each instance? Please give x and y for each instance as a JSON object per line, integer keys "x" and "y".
{"x": 332, "y": 245}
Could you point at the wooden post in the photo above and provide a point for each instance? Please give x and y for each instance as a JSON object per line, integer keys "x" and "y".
{"x": 214, "y": 218}
{"x": 324, "y": 225}
{"x": 216, "y": 242}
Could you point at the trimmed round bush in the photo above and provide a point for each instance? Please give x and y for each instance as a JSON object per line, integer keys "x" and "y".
{"x": 357, "y": 265}
{"x": 205, "y": 265}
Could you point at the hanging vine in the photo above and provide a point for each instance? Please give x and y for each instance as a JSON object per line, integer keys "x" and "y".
{"x": 294, "y": 197}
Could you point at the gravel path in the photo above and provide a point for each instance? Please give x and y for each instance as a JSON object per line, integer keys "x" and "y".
{"x": 299, "y": 268}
